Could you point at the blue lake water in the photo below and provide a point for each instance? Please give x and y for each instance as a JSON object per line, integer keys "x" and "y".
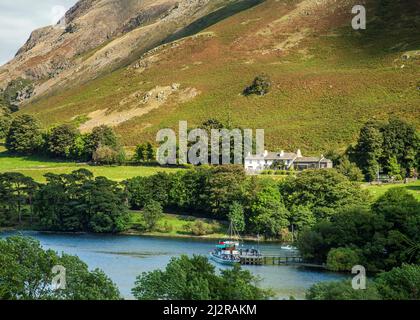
{"x": 122, "y": 258}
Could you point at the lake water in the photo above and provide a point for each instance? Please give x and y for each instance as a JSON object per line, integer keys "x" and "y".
{"x": 122, "y": 258}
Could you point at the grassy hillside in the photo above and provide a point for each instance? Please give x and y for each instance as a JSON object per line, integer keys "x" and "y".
{"x": 327, "y": 78}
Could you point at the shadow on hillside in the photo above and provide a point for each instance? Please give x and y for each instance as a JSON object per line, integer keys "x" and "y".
{"x": 393, "y": 29}
{"x": 212, "y": 19}
{"x": 35, "y": 158}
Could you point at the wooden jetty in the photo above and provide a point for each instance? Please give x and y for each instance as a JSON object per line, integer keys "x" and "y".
{"x": 278, "y": 260}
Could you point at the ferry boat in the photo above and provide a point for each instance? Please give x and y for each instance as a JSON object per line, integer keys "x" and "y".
{"x": 229, "y": 252}
{"x": 226, "y": 252}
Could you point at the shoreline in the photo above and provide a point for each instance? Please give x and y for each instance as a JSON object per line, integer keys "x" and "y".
{"x": 147, "y": 234}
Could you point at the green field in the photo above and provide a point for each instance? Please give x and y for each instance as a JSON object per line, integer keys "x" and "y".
{"x": 379, "y": 190}
{"x": 37, "y": 167}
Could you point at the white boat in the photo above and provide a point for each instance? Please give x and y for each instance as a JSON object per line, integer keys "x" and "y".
{"x": 289, "y": 248}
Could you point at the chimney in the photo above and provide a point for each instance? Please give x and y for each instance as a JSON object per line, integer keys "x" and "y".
{"x": 299, "y": 153}
{"x": 281, "y": 153}
{"x": 265, "y": 153}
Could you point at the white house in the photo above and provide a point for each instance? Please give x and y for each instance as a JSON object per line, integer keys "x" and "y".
{"x": 284, "y": 160}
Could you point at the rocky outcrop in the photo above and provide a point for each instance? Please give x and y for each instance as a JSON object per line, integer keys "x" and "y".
{"x": 100, "y": 35}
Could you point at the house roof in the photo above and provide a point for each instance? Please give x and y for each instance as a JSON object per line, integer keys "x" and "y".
{"x": 286, "y": 156}
{"x": 311, "y": 159}
{"x": 272, "y": 156}
{"x": 281, "y": 156}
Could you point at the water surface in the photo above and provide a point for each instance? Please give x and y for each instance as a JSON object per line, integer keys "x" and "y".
{"x": 122, "y": 258}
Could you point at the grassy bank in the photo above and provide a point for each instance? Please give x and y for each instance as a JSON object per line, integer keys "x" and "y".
{"x": 179, "y": 226}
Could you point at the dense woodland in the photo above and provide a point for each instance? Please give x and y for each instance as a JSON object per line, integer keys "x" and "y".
{"x": 333, "y": 218}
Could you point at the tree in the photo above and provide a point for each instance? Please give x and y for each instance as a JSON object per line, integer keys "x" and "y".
{"x": 260, "y": 86}
{"x": 103, "y": 144}
{"x": 152, "y": 212}
{"x": 60, "y": 140}
{"x": 394, "y": 169}
{"x": 236, "y": 216}
{"x": 80, "y": 202}
{"x": 351, "y": 227}
{"x": 144, "y": 152}
{"x": 16, "y": 191}
{"x": 224, "y": 186}
{"x": 195, "y": 278}
{"x": 143, "y": 190}
{"x": 268, "y": 214}
{"x": 342, "y": 259}
{"x": 239, "y": 284}
{"x": 150, "y": 152}
{"x": 5, "y": 121}
{"x": 103, "y": 136}
{"x": 140, "y": 154}
{"x": 402, "y": 283}
{"x": 322, "y": 192}
{"x": 349, "y": 169}
{"x": 401, "y": 214}
{"x": 387, "y": 146}
{"x": 301, "y": 217}
{"x": 81, "y": 149}
{"x": 384, "y": 236}
{"x": 400, "y": 145}
{"x": 24, "y": 136}
{"x": 105, "y": 200}
{"x": 26, "y": 274}
{"x": 368, "y": 150}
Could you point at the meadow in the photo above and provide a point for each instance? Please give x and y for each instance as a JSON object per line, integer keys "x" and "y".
{"x": 36, "y": 167}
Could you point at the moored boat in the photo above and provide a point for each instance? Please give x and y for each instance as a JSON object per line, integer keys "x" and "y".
{"x": 226, "y": 252}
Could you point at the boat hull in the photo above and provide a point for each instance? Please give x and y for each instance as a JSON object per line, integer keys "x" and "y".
{"x": 223, "y": 261}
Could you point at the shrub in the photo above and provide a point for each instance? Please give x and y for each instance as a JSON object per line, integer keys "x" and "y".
{"x": 341, "y": 290}
{"x": 260, "y": 86}
{"x": 166, "y": 227}
{"x": 342, "y": 259}
{"x": 400, "y": 283}
{"x": 199, "y": 228}
{"x": 107, "y": 155}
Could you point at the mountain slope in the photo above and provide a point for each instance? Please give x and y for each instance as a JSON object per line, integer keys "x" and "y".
{"x": 99, "y": 36}
{"x": 328, "y": 79}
